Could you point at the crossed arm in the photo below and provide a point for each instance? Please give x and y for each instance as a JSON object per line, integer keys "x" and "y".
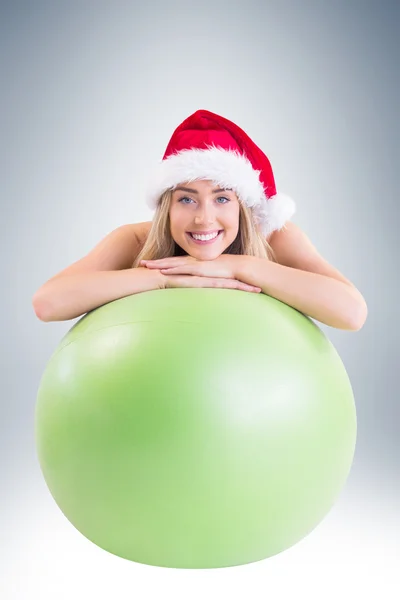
{"x": 301, "y": 278}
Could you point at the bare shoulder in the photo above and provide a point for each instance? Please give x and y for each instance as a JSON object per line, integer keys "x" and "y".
{"x": 130, "y": 239}
{"x": 138, "y": 233}
{"x": 293, "y": 248}
{"x": 118, "y": 249}
{"x": 115, "y": 251}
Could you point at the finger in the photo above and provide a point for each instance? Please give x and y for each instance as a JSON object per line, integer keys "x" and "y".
{"x": 160, "y": 266}
{"x": 220, "y": 282}
{"x": 149, "y": 265}
{"x": 182, "y": 270}
{"x": 233, "y": 284}
{"x": 240, "y": 285}
{"x": 165, "y": 263}
{"x": 194, "y": 281}
{"x": 209, "y": 282}
{"x": 251, "y": 288}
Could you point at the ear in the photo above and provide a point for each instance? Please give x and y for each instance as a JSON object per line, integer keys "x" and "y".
{"x": 293, "y": 248}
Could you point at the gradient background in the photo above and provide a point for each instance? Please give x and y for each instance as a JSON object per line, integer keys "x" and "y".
{"x": 91, "y": 92}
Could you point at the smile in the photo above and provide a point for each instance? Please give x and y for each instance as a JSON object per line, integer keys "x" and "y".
{"x": 204, "y": 238}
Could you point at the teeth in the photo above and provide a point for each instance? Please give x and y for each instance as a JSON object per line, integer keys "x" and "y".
{"x": 204, "y": 238}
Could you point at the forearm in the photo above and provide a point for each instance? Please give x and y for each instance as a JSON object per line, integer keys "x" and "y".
{"x": 71, "y": 296}
{"x": 323, "y": 298}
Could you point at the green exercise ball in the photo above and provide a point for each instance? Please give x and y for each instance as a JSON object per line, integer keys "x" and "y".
{"x": 195, "y": 428}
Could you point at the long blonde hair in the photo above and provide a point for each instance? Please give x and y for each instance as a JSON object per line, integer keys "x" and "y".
{"x": 160, "y": 243}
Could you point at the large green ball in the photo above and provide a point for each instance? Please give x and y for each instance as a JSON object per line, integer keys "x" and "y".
{"x": 195, "y": 428}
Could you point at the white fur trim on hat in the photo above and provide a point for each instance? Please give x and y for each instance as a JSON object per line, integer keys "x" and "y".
{"x": 274, "y": 212}
{"x": 227, "y": 169}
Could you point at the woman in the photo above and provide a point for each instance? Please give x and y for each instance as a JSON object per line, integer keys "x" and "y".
{"x": 219, "y": 222}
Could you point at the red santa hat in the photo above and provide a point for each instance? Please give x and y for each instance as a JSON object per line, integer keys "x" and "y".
{"x": 208, "y": 146}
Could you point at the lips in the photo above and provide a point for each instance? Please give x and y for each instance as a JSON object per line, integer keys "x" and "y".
{"x": 204, "y": 242}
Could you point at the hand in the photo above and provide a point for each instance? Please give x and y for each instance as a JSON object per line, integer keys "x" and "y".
{"x": 185, "y": 281}
{"x": 225, "y": 266}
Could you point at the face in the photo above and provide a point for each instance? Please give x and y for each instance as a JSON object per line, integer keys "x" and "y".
{"x": 204, "y": 219}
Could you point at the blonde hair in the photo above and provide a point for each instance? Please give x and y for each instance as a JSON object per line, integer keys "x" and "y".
{"x": 160, "y": 243}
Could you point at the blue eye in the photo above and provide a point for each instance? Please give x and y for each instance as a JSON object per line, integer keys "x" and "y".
{"x": 186, "y": 200}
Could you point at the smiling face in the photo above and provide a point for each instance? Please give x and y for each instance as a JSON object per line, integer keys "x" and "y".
{"x": 204, "y": 219}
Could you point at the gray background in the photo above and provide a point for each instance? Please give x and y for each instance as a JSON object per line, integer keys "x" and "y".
{"x": 91, "y": 92}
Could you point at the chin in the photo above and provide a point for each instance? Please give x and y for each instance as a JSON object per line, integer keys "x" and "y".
{"x": 206, "y": 255}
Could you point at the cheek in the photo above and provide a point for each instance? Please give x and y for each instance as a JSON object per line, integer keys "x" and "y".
{"x": 177, "y": 221}
{"x": 232, "y": 220}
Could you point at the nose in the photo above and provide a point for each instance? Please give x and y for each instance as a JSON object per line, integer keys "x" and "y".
{"x": 205, "y": 216}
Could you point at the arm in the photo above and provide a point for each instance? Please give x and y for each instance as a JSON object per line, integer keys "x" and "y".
{"x": 304, "y": 280}
{"x": 328, "y": 300}
{"x": 73, "y": 295}
{"x": 101, "y": 276}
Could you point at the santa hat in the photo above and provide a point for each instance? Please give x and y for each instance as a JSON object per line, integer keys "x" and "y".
{"x": 207, "y": 146}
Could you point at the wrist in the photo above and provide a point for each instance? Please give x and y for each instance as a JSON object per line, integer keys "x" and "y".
{"x": 154, "y": 277}
{"x": 159, "y": 279}
{"x": 241, "y": 266}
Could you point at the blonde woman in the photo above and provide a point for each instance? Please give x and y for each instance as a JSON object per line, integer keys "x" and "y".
{"x": 219, "y": 222}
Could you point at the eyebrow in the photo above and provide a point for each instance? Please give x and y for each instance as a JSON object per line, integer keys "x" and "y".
{"x": 191, "y": 191}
